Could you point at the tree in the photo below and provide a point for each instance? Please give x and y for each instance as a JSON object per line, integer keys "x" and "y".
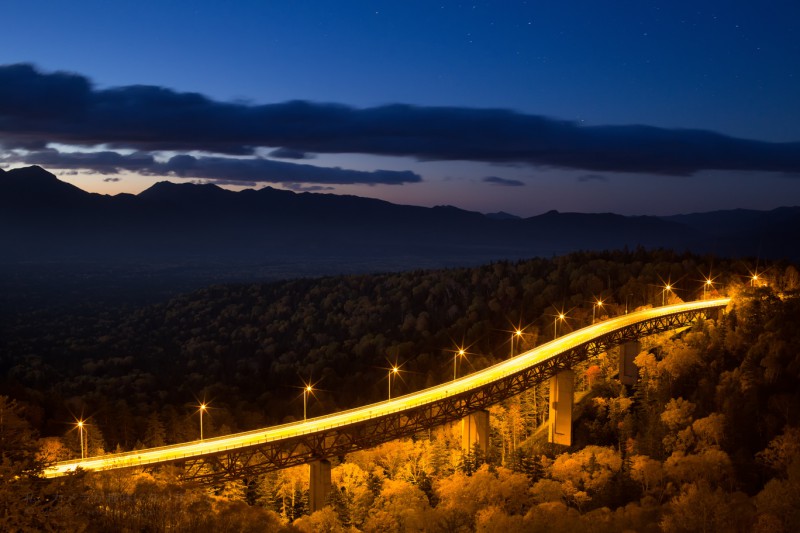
{"x": 238, "y": 517}
{"x": 589, "y": 469}
{"x": 547, "y": 490}
{"x": 287, "y": 490}
{"x": 27, "y": 502}
{"x": 699, "y": 507}
{"x": 553, "y": 517}
{"x": 18, "y": 465}
{"x": 493, "y": 519}
{"x": 679, "y": 359}
{"x": 782, "y": 450}
{"x": 18, "y": 441}
{"x": 649, "y": 473}
{"x": 526, "y": 462}
{"x": 353, "y": 497}
{"x": 677, "y": 414}
{"x": 709, "y": 432}
{"x": 711, "y": 465}
{"x": 155, "y": 434}
{"x": 778, "y": 503}
{"x": 472, "y": 460}
{"x": 52, "y": 449}
{"x": 401, "y": 506}
{"x": 464, "y": 496}
{"x": 323, "y": 521}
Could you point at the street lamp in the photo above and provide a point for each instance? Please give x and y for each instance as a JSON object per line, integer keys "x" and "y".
{"x": 515, "y": 335}
{"x": 459, "y": 353}
{"x": 561, "y": 316}
{"x": 754, "y": 280}
{"x": 202, "y": 409}
{"x": 80, "y": 431}
{"x": 707, "y": 285}
{"x": 598, "y": 303}
{"x": 306, "y": 391}
{"x": 667, "y": 287}
{"x": 392, "y": 372}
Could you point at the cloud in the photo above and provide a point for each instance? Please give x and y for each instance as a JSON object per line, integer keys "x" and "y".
{"x": 112, "y": 180}
{"x": 218, "y": 169}
{"x": 252, "y": 171}
{"x": 38, "y": 108}
{"x": 503, "y": 181}
{"x": 299, "y": 187}
{"x": 222, "y": 182}
{"x": 28, "y": 94}
{"x": 288, "y": 153}
{"x": 105, "y": 162}
{"x": 592, "y": 177}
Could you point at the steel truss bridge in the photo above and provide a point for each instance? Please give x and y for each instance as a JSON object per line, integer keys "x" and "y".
{"x": 243, "y": 455}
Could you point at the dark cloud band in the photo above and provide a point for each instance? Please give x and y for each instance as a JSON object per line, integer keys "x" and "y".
{"x": 38, "y": 108}
{"x": 494, "y": 180}
{"x": 218, "y": 169}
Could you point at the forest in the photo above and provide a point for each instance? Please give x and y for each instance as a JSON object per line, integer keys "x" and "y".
{"x": 706, "y": 440}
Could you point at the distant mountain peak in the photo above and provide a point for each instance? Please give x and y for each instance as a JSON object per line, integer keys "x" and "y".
{"x": 171, "y": 185}
{"x": 34, "y": 172}
{"x": 33, "y": 185}
{"x": 168, "y": 190}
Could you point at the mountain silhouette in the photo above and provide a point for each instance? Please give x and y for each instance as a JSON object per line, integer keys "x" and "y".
{"x": 45, "y": 219}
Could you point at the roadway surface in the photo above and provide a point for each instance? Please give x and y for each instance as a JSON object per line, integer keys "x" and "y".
{"x": 213, "y": 446}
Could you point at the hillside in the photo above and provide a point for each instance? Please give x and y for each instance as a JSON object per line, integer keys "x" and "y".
{"x": 43, "y": 219}
{"x": 709, "y": 431}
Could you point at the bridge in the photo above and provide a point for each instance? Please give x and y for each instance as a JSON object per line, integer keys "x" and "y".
{"x": 466, "y": 399}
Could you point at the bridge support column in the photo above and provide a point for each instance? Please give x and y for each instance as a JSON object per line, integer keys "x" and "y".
{"x": 319, "y": 484}
{"x": 475, "y": 430}
{"x": 561, "y": 399}
{"x": 628, "y": 371}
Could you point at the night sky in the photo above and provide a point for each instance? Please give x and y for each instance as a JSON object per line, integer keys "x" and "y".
{"x": 634, "y": 107}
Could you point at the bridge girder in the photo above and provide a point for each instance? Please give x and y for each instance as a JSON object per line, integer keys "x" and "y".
{"x": 268, "y": 457}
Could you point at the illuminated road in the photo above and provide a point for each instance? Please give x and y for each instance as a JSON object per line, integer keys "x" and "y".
{"x": 214, "y": 446}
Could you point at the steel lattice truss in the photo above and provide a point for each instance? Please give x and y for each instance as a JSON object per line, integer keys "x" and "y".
{"x": 261, "y": 458}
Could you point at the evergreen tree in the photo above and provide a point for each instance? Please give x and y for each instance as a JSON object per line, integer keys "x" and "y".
{"x": 155, "y": 434}
{"x": 338, "y": 499}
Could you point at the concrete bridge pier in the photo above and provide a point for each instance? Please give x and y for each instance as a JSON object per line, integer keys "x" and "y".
{"x": 319, "y": 484}
{"x": 561, "y": 398}
{"x": 628, "y": 371}
{"x": 475, "y": 430}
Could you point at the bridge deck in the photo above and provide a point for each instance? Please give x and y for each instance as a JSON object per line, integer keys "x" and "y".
{"x": 423, "y": 404}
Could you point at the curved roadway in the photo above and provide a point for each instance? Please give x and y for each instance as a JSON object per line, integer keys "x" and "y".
{"x": 217, "y": 445}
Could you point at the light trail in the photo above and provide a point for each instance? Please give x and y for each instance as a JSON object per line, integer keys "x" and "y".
{"x": 213, "y": 446}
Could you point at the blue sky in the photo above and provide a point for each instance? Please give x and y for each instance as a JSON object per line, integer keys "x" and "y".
{"x": 727, "y": 68}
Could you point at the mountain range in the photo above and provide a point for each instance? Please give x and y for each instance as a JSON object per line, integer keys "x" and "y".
{"x": 43, "y": 219}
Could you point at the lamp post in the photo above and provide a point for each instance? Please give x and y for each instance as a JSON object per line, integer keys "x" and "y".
{"x": 306, "y": 391}
{"x": 667, "y": 287}
{"x": 754, "y": 280}
{"x": 459, "y": 353}
{"x": 515, "y": 335}
{"x": 598, "y": 303}
{"x": 202, "y": 410}
{"x": 392, "y": 372}
{"x": 706, "y": 286}
{"x": 80, "y": 431}
{"x": 561, "y": 316}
